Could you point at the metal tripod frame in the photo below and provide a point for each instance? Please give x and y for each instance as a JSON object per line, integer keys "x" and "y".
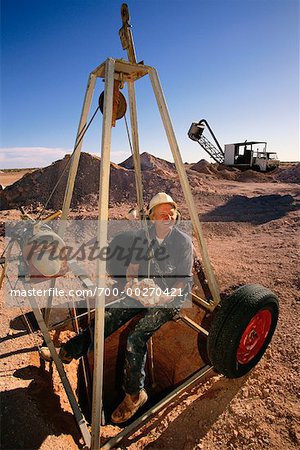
{"x": 123, "y": 71}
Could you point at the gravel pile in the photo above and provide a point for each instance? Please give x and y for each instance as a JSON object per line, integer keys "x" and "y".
{"x": 35, "y": 188}
{"x": 291, "y": 175}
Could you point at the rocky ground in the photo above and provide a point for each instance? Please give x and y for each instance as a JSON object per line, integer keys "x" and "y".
{"x": 251, "y": 224}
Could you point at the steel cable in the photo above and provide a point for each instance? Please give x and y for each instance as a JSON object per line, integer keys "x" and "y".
{"x": 78, "y": 140}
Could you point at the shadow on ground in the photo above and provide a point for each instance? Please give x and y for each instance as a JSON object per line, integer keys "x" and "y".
{"x": 194, "y": 421}
{"x": 30, "y": 415}
{"x": 255, "y": 210}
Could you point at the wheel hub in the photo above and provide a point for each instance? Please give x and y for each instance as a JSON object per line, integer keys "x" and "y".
{"x": 254, "y": 336}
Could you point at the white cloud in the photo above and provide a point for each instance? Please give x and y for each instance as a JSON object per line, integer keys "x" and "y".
{"x": 33, "y": 157}
{"x": 27, "y": 157}
{"x": 119, "y": 156}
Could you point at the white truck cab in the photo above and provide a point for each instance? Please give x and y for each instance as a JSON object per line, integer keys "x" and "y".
{"x": 251, "y": 154}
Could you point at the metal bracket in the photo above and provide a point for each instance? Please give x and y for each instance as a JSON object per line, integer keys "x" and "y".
{"x": 126, "y": 34}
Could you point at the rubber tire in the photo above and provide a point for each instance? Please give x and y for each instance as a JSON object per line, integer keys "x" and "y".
{"x": 229, "y": 323}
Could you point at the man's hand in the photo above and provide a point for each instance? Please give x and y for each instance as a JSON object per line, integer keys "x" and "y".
{"x": 131, "y": 284}
{"x": 145, "y": 291}
{"x": 139, "y": 290}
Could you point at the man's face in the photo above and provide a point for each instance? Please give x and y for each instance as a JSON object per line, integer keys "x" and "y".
{"x": 164, "y": 216}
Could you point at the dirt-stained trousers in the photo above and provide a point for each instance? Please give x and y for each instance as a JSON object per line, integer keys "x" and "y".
{"x": 136, "y": 349}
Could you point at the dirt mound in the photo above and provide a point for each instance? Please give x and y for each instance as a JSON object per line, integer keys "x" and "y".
{"x": 215, "y": 170}
{"x": 149, "y": 162}
{"x": 230, "y": 173}
{"x": 227, "y": 173}
{"x": 291, "y": 175}
{"x": 253, "y": 176}
{"x": 35, "y": 187}
{"x": 204, "y": 166}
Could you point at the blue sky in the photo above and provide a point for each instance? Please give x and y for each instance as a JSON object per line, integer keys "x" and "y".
{"x": 235, "y": 63}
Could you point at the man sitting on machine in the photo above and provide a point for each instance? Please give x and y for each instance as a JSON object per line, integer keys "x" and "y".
{"x": 170, "y": 275}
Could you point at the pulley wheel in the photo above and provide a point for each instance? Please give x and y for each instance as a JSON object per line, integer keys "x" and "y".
{"x": 121, "y": 107}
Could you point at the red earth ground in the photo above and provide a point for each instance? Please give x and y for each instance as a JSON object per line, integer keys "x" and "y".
{"x": 251, "y": 224}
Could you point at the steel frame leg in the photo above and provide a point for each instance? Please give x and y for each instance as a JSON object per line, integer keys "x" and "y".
{"x": 101, "y": 264}
{"x": 135, "y": 145}
{"x": 60, "y": 368}
{"x": 138, "y": 177}
{"x": 75, "y": 160}
{"x": 72, "y": 175}
{"x": 61, "y": 230}
{"x": 163, "y": 109}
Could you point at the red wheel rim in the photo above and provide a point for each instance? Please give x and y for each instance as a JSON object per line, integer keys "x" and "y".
{"x": 254, "y": 336}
